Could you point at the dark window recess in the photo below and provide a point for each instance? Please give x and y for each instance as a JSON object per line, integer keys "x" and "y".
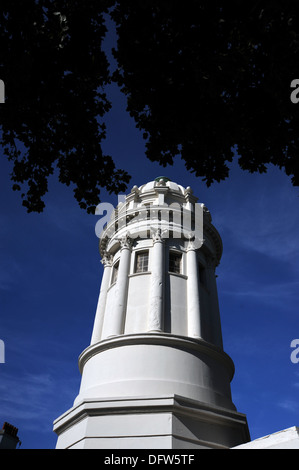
{"x": 115, "y": 273}
{"x": 175, "y": 261}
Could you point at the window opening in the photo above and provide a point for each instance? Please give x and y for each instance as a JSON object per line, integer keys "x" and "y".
{"x": 175, "y": 261}
{"x": 141, "y": 264}
{"x": 115, "y": 272}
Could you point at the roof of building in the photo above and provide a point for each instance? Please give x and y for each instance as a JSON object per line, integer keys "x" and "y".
{"x": 162, "y": 181}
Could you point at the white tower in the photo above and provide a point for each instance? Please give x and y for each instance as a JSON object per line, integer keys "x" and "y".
{"x": 155, "y": 374}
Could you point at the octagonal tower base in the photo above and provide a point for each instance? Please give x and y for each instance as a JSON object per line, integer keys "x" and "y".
{"x": 169, "y": 422}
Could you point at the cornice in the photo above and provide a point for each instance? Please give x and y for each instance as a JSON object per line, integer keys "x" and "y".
{"x": 164, "y": 339}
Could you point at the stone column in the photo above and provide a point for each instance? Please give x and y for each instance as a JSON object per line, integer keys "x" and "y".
{"x": 156, "y": 303}
{"x": 193, "y": 296}
{"x": 214, "y": 305}
{"x": 117, "y": 316}
{"x": 100, "y": 313}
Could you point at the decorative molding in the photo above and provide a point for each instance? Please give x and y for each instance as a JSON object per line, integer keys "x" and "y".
{"x": 145, "y": 273}
{"x": 189, "y": 195}
{"x": 185, "y": 407}
{"x": 164, "y": 339}
{"x": 182, "y": 276}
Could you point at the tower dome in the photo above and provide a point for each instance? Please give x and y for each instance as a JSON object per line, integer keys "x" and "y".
{"x": 155, "y": 374}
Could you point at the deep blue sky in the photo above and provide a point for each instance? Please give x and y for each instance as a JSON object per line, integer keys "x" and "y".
{"x": 50, "y": 274}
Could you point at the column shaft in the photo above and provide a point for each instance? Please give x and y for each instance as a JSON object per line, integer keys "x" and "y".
{"x": 100, "y": 313}
{"x": 156, "y": 305}
{"x": 121, "y": 287}
{"x": 115, "y": 319}
{"x": 193, "y": 296}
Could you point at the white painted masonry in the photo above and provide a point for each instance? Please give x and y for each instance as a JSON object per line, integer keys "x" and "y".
{"x": 193, "y": 294}
{"x": 155, "y": 374}
{"x": 285, "y": 439}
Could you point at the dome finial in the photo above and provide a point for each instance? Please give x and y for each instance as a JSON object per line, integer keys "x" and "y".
{"x": 163, "y": 178}
{"x": 161, "y": 181}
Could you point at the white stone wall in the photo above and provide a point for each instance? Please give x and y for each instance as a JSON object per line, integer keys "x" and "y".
{"x": 137, "y": 305}
{"x": 285, "y": 439}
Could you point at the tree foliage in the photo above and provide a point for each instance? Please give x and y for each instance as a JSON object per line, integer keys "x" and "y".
{"x": 203, "y": 78}
{"x": 55, "y": 72}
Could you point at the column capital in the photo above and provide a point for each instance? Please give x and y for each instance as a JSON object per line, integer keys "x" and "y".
{"x": 126, "y": 241}
{"x": 107, "y": 259}
{"x": 157, "y": 236}
{"x": 194, "y": 243}
{"x": 191, "y": 244}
